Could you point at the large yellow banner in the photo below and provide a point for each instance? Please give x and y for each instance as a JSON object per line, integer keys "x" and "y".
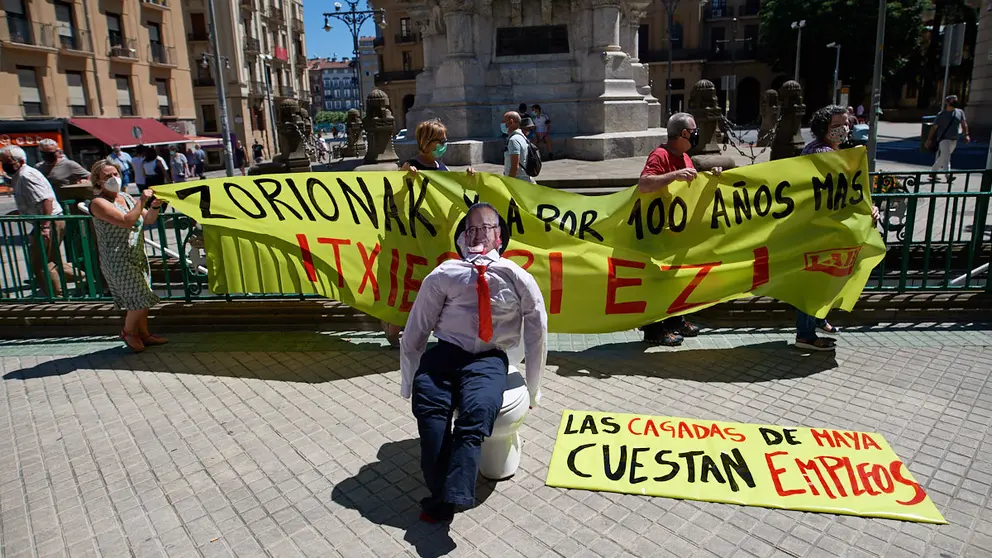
{"x": 799, "y": 230}
{"x": 809, "y": 469}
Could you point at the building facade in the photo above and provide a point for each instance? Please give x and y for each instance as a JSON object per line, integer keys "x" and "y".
{"x": 370, "y": 63}
{"x": 717, "y": 41}
{"x": 400, "y": 57}
{"x": 338, "y": 86}
{"x": 93, "y": 73}
{"x": 262, "y": 50}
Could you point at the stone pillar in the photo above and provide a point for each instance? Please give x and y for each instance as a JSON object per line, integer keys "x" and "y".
{"x": 704, "y": 106}
{"x": 769, "y": 116}
{"x": 633, "y": 17}
{"x": 429, "y": 23}
{"x": 788, "y": 141}
{"x": 610, "y": 100}
{"x": 460, "y": 77}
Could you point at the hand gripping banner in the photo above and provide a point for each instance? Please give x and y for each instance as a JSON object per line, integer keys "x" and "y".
{"x": 799, "y": 230}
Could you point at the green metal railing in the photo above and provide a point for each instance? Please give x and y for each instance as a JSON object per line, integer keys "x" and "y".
{"x": 936, "y": 233}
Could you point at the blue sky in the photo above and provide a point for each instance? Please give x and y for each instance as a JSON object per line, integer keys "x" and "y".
{"x": 325, "y": 44}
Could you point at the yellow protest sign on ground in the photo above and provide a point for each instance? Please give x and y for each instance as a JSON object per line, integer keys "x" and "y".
{"x": 798, "y": 229}
{"x": 809, "y": 469}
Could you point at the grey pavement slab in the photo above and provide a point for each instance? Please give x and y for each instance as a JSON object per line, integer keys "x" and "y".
{"x": 298, "y": 444}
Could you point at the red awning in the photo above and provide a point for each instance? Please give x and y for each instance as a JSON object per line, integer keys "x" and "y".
{"x": 128, "y": 132}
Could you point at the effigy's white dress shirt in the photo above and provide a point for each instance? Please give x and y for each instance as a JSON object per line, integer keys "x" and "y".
{"x": 448, "y": 305}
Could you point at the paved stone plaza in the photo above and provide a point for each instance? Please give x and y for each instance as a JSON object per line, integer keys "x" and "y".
{"x": 290, "y": 444}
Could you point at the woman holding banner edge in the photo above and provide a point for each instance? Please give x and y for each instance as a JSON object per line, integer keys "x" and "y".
{"x": 829, "y": 128}
{"x": 432, "y": 143}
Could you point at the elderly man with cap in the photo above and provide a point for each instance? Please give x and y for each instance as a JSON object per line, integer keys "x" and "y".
{"x": 479, "y": 307}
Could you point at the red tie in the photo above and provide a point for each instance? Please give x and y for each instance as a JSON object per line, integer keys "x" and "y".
{"x": 485, "y": 311}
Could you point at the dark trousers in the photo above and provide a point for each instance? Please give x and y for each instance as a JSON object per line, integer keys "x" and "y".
{"x": 668, "y": 324}
{"x": 806, "y": 325}
{"x": 450, "y": 378}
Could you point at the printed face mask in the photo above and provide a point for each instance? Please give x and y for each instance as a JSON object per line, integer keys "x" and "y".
{"x": 112, "y": 184}
{"x": 837, "y": 135}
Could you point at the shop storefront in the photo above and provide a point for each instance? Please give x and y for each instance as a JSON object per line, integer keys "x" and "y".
{"x": 28, "y": 134}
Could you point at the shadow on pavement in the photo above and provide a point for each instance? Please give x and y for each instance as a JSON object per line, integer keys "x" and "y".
{"x": 321, "y": 359}
{"x": 388, "y": 492}
{"x": 907, "y": 151}
{"x": 762, "y": 362}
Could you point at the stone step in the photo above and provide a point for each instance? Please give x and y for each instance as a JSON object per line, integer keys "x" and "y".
{"x": 74, "y": 319}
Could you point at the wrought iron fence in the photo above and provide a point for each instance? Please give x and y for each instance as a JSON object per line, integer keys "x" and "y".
{"x": 936, "y": 227}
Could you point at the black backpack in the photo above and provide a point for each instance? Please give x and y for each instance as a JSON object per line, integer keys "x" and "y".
{"x": 533, "y": 166}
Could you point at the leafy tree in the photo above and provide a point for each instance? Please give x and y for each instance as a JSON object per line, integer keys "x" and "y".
{"x": 330, "y": 117}
{"x": 852, "y": 23}
{"x": 946, "y": 12}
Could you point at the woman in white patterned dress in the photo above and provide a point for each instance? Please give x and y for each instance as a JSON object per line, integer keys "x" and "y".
{"x": 118, "y": 220}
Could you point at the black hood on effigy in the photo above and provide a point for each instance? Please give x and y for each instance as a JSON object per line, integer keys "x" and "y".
{"x": 504, "y": 228}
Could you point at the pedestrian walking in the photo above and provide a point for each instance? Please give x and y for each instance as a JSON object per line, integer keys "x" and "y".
{"x": 138, "y": 164}
{"x": 178, "y": 164}
{"x": 542, "y": 130}
{"x": 123, "y": 161}
{"x": 199, "y": 160}
{"x": 666, "y": 164}
{"x": 240, "y": 157}
{"x": 118, "y": 221}
{"x": 34, "y": 195}
{"x": 944, "y": 133}
{"x": 257, "y": 152}
{"x": 155, "y": 168}
{"x": 478, "y": 306}
{"x": 515, "y": 154}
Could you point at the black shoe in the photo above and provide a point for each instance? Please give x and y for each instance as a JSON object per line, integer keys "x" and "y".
{"x": 433, "y": 511}
{"x": 666, "y": 337}
{"x": 687, "y": 330}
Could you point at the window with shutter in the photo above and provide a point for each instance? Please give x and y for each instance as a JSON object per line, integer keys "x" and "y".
{"x": 27, "y": 78}
{"x": 164, "y": 106}
{"x": 124, "y": 103}
{"x": 77, "y": 93}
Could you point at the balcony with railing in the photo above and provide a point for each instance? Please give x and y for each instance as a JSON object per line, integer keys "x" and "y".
{"x": 75, "y": 42}
{"x": 252, "y": 46}
{"x": 274, "y": 13}
{"x": 125, "y": 50}
{"x": 399, "y": 75}
{"x": 718, "y": 10}
{"x": 743, "y": 51}
{"x": 156, "y": 4}
{"x": 408, "y": 37}
{"x": 297, "y": 23}
{"x": 286, "y": 91}
{"x": 378, "y": 42}
{"x": 198, "y": 36}
{"x": 281, "y": 54}
{"x": 248, "y": 5}
{"x": 21, "y": 33}
{"x": 161, "y": 55}
{"x": 204, "y": 81}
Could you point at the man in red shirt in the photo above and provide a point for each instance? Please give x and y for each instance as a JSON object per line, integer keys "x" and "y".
{"x": 666, "y": 164}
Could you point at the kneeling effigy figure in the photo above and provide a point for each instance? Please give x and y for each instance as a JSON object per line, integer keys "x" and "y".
{"x": 482, "y": 308}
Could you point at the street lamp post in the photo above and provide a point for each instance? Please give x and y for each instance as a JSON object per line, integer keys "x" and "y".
{"x": 876, "y": 87}
{"x": 221, "y": 93}
{"x": 836, "y": 69}
{"x": 798, "y": 25}
{"x": 354, "y": 19}
{"x": 670, "y": 7}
